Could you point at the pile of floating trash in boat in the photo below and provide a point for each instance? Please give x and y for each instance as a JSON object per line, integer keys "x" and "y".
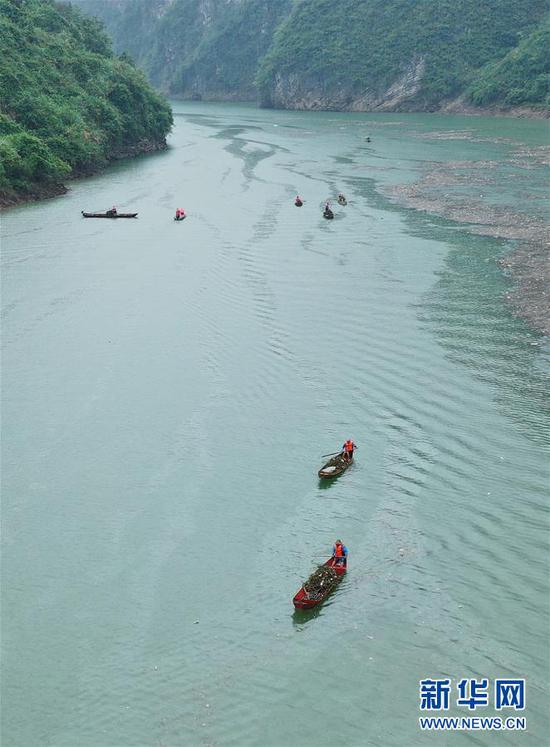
{"x": 323, "y": 580}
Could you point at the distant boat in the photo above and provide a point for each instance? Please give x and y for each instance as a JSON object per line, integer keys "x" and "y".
{"x": 298, "y": 202}
{"x": 342, "y": 200}
{"x": 312, "y": 592}
{"x": 328, "y": 214}
{"x": 108, "y": 214}
{"x": 334, "y": 466}
{"x": 180, "y": 217}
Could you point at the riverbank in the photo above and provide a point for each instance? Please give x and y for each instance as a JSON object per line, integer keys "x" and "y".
{"x": 46, "y": 191}
{"x": 461, "y": 106}
{"x": 36, "y": 193}
{"x": 456, "y": 106}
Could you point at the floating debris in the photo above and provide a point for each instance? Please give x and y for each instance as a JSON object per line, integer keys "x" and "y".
{"x": 323, "y": 579}
{"x": 528, "y": 264}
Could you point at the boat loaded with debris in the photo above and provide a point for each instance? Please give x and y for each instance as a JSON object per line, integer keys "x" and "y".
{"x": 319, "y": 585}
{"x": 335, "y": 466}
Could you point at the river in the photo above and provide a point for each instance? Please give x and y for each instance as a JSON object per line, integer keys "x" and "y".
{"x": 168, "y": 390}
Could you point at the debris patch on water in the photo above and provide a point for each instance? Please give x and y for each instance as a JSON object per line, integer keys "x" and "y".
{"x": 439, "y": 192}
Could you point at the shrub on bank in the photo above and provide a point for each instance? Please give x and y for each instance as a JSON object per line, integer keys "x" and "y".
{"x": 68, "y": 104}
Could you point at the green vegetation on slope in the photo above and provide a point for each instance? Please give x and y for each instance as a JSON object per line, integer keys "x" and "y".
{"x": 68, "y": 104}
{"x": 359, "y": 46}
{"x": 227, "y": 56}
{"x": 365, "y": 54}
{"x": 209, "y": 48}
{"x": 522, "y": 77}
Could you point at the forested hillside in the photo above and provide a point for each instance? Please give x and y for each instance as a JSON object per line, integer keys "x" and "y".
{"x": 194, "y": 48}
{"x": 389, "y": 54}
{"x": 67, "y": 103}
{"x": 352, "y": 54}
{"x": 519, "y": 78}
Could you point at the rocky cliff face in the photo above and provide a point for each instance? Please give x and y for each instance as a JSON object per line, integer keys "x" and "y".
{"x": 357, "y": 55}
{"x": 294, "y": 91}
{"x": 397, "y": 55}
{"x": 194, "y": 48}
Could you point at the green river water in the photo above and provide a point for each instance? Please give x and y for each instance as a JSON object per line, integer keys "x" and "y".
{"x": 168, "y": 390}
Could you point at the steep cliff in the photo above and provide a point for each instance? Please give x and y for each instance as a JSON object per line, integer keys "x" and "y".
{"x": 194, "y": 48}
{"x": 386, "y": 55}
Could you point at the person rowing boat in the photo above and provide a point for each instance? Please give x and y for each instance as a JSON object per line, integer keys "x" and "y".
{"x": 340, "y": 554}
{"x": 347, "y": 450}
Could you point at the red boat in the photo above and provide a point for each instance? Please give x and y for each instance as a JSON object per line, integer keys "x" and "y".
{"x": 304, "y": 601}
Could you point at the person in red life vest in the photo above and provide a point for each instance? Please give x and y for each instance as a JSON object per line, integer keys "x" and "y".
{"x": 347, "y": 449}
{"x": 340, "y": 553}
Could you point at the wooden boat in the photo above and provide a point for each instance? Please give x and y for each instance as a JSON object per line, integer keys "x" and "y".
{"x": 108, "y": 214}
{"x": 304, "y": 601}
{"x": 334, "y": 466}
{"x": 328, "y": 214}
{"x": 342, "y": 200}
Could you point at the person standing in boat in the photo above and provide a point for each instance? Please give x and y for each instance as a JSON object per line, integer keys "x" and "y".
{"x": 347, "y": 449}
{"x": 340, "y": 553}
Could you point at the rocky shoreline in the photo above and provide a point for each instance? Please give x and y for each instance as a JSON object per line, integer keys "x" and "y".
{"x": 38, "y": 192}
{"x": 460, "y": 106}
{"x": 313, "y": 98}
{"x": 55, "y": 189}
{"x": 294, "y": 92}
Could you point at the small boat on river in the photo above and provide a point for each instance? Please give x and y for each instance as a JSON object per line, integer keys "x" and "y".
{"x": 335, "y": 466}
{"x": 319, "y": 585}
{"x": 342, "y": 199}
{"x": 328, "y": 214}
{"x": 298, "y": 201}
{"x": 108, "y": 214}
